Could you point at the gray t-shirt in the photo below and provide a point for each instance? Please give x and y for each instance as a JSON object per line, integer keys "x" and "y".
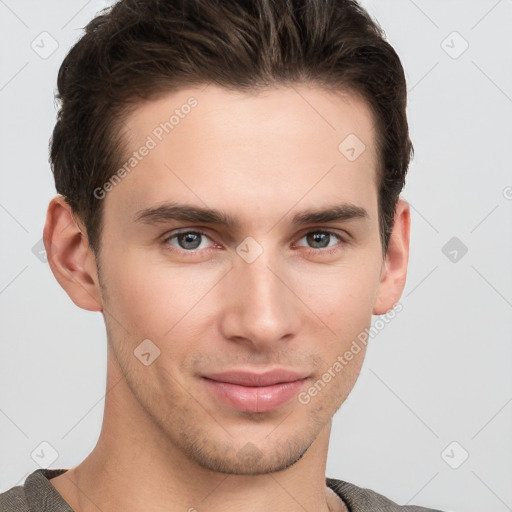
{"x": 37, "y": 494}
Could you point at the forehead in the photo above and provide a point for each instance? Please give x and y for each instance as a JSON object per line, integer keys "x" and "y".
{"x": 259, "y": 152}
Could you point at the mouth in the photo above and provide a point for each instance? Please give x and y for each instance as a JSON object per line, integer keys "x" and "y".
{"x": 255, "y": 392}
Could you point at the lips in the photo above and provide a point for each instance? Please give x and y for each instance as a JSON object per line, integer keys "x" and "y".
{"x": 255, "y": 392}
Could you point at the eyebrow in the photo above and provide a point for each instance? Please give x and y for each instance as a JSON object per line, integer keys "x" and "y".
{"x": 183, "y": 212}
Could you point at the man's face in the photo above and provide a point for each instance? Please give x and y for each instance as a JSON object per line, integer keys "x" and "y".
{"x": 264, "y": 296}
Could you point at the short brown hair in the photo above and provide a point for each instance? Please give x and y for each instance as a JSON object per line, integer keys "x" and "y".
{"x": 141, "y": 49}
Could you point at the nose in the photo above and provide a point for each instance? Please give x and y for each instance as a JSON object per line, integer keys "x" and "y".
{"x": 260, "y": 308}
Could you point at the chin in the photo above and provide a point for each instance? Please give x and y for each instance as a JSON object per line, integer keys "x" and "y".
{"x": 249, "y": 458}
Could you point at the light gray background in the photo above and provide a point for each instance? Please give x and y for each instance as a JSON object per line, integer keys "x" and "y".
{"x": 438, "y": 373}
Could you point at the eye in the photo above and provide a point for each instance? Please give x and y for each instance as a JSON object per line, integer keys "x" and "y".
{"x": 191, "y": 242}
{"x": 186, "y": 241}
{"x": 323, "y": 241}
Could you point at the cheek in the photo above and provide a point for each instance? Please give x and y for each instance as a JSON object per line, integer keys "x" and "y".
{"x": 343, "y": 296}
{"x": 149, "y": 298}
{"x": 130, "y": 292}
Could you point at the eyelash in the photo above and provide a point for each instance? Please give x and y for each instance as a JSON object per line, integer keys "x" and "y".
{"x": 195, "y": 252}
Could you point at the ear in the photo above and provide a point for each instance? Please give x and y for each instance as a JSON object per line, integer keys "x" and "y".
{"x": 71, "y": 259}
{"x": 394, "y": 270}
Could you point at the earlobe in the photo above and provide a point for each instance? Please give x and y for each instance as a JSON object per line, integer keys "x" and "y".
{"x": 70, "y": 258}
{"x": 394, "y": 272}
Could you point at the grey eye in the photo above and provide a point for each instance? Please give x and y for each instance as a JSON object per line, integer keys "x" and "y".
{"x": 189, "y": 240}
{"x": 318, "y": 240}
